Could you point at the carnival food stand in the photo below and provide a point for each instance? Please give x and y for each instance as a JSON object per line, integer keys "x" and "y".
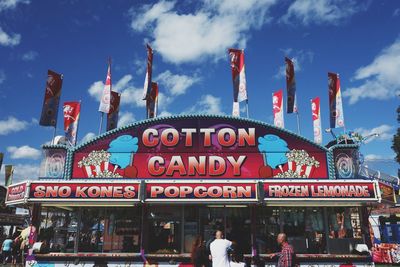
{"x": 140, "y": 194}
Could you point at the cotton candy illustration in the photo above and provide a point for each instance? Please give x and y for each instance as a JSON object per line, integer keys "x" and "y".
{"x": 121, "y": 150}
{"x": 274, "y": 150}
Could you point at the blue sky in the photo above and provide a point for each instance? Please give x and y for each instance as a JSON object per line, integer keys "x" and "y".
{"x": 360, "y": 40}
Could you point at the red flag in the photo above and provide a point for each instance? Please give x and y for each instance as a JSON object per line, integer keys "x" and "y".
{"x": 277, "y": 108}
{"x": 335, "y": 101}
{"x": 316, "y": 117}
{"x": 71, "y": 118}
{"x": 152, "y": 101}
{"x": 51, "y": 99}
{"x": 290, "y": 86}
{"x": 238, "y": 75}
{"x": 105, "y": 97}
{"x": 112, "y": 116}
{"x": 149, "y": 71}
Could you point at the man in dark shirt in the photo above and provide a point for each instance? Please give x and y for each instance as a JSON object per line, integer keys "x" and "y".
{"x": 286, "y": 258}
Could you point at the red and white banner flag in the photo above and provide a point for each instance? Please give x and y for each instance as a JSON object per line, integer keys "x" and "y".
{"x": 290, "y": 86}
{"x": 238, "y": 75}
{"x": 71, "y": 118}
{"x": 236, "y": 109}
{"x": 335, "y": 101}
{"x": 277, "y": 108}
{"x": 106, "y": 96}
{"x": 295, "y": 109}
{"x": 51, "y": 99}
{"x": 316, "y": 117}
{"x": 152, "y": 101}
{"x": 149, "y": 71}
{"x": 112, "y": 116}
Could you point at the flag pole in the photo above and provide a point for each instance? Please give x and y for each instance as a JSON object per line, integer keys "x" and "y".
{"x": 247, "y": 108}
{"x": 101, "y": 122}
{"x": 77, "y": 127}
{"x": 147, "y": 110}
{"x": 54, "y": 134}
{"x": 102, "y": 113}
{"x": 156, "y": 108}
{"x": 298, "y": 122}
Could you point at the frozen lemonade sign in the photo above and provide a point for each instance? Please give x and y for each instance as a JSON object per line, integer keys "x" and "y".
{"x": 200, "y": 147}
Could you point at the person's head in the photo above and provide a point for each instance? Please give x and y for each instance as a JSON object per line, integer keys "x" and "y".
{"x": 219, "y": 234}
{"x": 198, "y": 241}
{"x": 282, "y": 238}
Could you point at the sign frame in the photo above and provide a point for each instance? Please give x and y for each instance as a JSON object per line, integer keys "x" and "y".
{"x": 23, "y": 200}
{"x": 375, "y": 198}
{"x": 81, "y": 201}
{"x": 149, "y": 183}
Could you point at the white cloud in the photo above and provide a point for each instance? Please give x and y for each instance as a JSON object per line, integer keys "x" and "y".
{"x": 299, "y": 58}
{"x": 130, "y": 94}
{"x": 11, "y": 4}
{"x": 126, "y": 118}
{"x": 23, "y": 172}
{"x": 2, "y": 76}
{"x": 165, "y": 113}
{"x": 207, "y": 32}
{"x": 12, "y": 125}
{"x": 385, "y": 132}
{"x": 30, "y": 56}
{"x": 396, "y": 12}
{"x": 334, "y": 12}
{"x": 375, "y": 157}
{"x": 96, "y": 89}
{"x": 176, "y": 84}
{"x": 208, "y": 104}
{"x": 24, "y": 152}
{"x": 12, "y": 39}
{"x": 87, "y": 137}
{"x": 139, "y": 66}
{"x": 380, "y": 79}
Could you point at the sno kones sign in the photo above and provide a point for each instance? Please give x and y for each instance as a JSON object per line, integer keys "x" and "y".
{"x": 199, "y": 147}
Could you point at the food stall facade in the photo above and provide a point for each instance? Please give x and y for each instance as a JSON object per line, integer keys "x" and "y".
{"x": 140, "y": 194}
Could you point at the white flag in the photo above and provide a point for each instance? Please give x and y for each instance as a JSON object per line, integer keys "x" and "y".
{"x": 106, "y": 97}
{"x": 236, "y": 109}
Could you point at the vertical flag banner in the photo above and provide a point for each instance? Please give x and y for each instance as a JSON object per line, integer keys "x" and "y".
{"x": 335, "y": 101}
{"x": 295, "y": 109}
{"x": 149, "y": 71}
{"x": 316, "y": 117}
{"x": 112, "y": 116}
{"x": 106, "y": 96}
{"x": 1, "y": 159}
{"x": 277, "y": 108}
{"x": 238, "y": 75}
{"x": 71, "y": 118}
{"x": 9, "y": 170}
{"x": 51, "y": 99}
{"x": 151, "y": 102}
{"x": 236, "y": 109}
{"x": 290, "y": 86}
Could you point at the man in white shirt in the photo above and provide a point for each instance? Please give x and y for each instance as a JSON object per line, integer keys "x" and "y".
{"x": 219, "y": 250}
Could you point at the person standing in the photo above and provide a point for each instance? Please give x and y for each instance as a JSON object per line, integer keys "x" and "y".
{"x": 286, "y": 258}
{"x": 199, "y": 253}
{"x": 6, "y": 249}
{"x": 219, "y": 250}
